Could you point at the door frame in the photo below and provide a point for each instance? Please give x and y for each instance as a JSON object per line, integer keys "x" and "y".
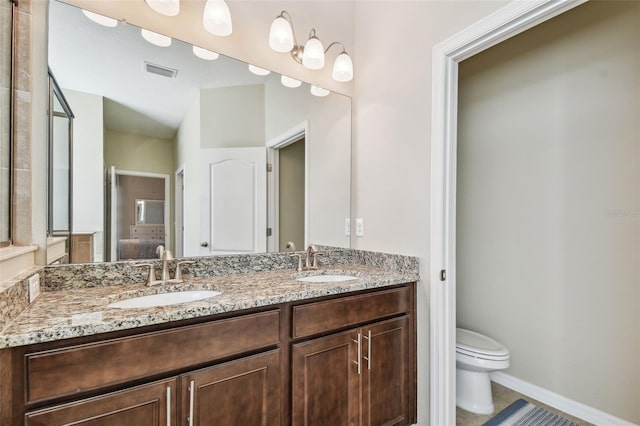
{"x": 178, "y": 232}
{"x": 511, "y": 20}
{"x": 114, "y": 206}
{"x": 291, "y": 135}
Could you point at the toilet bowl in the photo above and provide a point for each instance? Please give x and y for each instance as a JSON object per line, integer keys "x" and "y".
{"x": 476, "y": 356}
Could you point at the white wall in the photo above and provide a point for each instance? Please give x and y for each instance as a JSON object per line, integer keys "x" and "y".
{"x": 548, "y": 204}
{"x": 392, "y": 110}
{"x": 232, "y": 117}
{"x": 88, "y": 174}
{"x": 329, "y": 121}
{"x": 187, "y": 149}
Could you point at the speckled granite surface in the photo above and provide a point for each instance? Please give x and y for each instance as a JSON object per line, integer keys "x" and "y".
{"x": 65, "y": 277}
{"x": 77, "y": 312}
{"x": 14, "y": 296}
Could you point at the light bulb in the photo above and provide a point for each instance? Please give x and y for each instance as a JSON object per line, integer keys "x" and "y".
{"x": 205, "y": 54}
{"x": 217, "y": 18}
{"x": 343, "y": 68}
{"x": 281, "y": 35}
{"x": 290, "y": 82}
{"x": 319, "y": 91}
{"x": 165, "y": 7}
{"x": 155, "y": 38}
{"x": 100, "y": 19}
{"x": 313, "y": 56}
{"x": 258, "y": 71}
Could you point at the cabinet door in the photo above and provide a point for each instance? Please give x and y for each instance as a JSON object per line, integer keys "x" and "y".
{"x": 148, "y": 405}
{"x": 325, "y": 381}
{"x": 241, "y": 392}
{"x": 385, "y": 373}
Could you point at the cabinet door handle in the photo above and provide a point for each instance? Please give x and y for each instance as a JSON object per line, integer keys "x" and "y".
{"x": 368, "y": 357}
{"x": 168, "y": 405}
{"x": 359, "y": 342}
{"x": 191, "y": 395}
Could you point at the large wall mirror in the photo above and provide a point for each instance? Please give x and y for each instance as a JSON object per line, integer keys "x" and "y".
{"x": 196, "y": 133}
{"x": 6, "y": 47}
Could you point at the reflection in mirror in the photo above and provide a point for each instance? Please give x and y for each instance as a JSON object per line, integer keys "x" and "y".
{"x": 6, "y": 47}
{"x": 59, "y": 163}
{"x": 211, "y": 126}
{"x": 149, "y": 212}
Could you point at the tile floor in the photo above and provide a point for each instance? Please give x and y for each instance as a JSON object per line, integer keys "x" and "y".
{"x": 502, "y": 397}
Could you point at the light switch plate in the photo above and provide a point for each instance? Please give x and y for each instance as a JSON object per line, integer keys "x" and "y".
{"x": 34, "y": 287}
{"x": 347, "y": 227}
{"x": 359, "y": 227}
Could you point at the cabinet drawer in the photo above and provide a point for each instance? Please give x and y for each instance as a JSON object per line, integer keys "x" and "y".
{"x": 320, "y": 317}
{"x": 78, "y": 369}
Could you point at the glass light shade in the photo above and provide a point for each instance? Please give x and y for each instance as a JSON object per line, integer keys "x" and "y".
{"x": 217, "y": 18}
{"x": 100, "y": 19}
{"x": 258, "y": 71}
{"x": 313, "y": 56}
{"x": 290, "y": 82}
{"x": 319, "y": 91}
{"x": 155, "y": 38}
{"x": 343, "y": 68}
{"x": 281, "y": 35}
{"x": 205, "y": 54}
{"x": 165, "y": 7}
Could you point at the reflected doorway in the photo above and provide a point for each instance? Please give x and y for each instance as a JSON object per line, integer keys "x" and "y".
{"x": 291, "y": 196}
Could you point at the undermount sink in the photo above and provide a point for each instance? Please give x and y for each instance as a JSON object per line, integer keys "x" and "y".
{"x": 327, "y": 278}
{"x": 164, "y": 299}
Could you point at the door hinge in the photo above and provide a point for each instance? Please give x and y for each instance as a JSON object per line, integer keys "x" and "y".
{"x": 269, "y": 232}
{"x": 443, "y": 275}
{"x": 269, "y": 167}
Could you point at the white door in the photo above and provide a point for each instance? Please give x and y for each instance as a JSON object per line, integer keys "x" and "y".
{"x": 234, "y": 201}
{"x": 113, "y": 231}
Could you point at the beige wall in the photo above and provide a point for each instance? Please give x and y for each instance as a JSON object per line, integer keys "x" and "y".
{"x": 548, "y": 204}
{"x": 291, "y": 195}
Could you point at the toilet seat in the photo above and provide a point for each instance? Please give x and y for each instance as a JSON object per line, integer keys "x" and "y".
{"x": 480, "y": 346}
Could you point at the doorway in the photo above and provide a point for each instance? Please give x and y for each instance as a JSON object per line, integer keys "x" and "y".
{"x": 139, "y": 214}
{"x": 507, "y": 22}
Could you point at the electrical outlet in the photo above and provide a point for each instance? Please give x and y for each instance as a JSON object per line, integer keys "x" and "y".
{"x": 347, "y": 227}
{"x": 359, "y": 227}
{"x": 34, "y": 287}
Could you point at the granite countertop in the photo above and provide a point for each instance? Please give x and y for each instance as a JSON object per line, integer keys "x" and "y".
{"x": 63, "y": 314}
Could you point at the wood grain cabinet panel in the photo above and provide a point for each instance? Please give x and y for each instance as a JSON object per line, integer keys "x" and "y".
{"x": 241, "y": 392}
{"x": 69, "y": 371}
{"x": 319, "y": 317}
{"x": 325, "y": 381}
{"x": 149, "y": 405}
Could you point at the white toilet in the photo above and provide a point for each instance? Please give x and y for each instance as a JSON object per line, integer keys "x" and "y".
{"x": 476, "y": 356}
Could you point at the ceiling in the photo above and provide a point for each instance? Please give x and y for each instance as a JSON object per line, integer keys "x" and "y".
{"x": 90, "y": 58}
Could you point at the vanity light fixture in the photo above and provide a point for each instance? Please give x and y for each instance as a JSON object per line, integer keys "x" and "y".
{"x": 165, "y": 7}
{"x": 216, "y": 18}
{"x": 258, "y": 71}
{"x": 290, "y": 82}
{"x": 100, "y": 19}
{"x": 205, "y": 54}
{"x": 319, "y": 91}
{"x": 282, "y": 39}
{"x": 155, "y": 38}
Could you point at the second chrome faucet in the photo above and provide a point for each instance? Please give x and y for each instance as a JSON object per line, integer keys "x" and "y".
{"x": 310, "y": 258}
{"x": 165, "y": 277}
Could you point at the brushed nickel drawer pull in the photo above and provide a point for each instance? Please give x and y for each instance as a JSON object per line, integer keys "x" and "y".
{"x": 168, "y": 405}
{"x": 368, "y": 357}
{"x": 191, "y": 392}
{"x": 359, "y": 342}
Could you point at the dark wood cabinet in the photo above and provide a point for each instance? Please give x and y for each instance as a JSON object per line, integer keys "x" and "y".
{"x": 240, "y": 392}
{"x": 325, "y": 381}
{"x": 148, "y": 405}
{"x": 356, "y": 377}
{"x": 336, "y": 360}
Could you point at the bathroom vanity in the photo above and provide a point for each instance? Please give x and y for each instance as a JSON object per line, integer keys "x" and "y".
{"x": 270, "y": 350}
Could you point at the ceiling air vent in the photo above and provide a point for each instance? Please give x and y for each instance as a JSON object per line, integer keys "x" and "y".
{"x": 160, "y": 70}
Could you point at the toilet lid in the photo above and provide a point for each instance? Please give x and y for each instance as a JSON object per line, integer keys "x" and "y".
{"x": 472, "y": 342}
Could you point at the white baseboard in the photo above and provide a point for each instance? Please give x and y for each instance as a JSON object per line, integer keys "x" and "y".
{"x": 559, "y": 402}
